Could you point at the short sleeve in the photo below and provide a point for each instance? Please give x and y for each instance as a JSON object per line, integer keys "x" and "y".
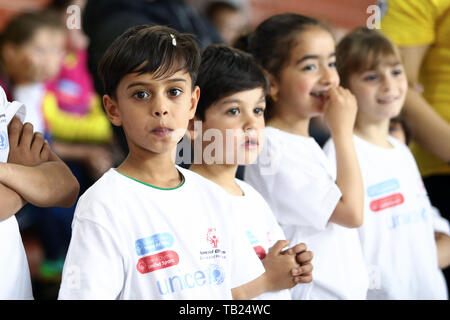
{"x": 330, "y": 152}
{"x": 94, "y": 266}
{"x": 11, "y": 108}
{"x": 15, "y": 109}
{"x": 440, "y": 224}
{"x": 410, "y": 22}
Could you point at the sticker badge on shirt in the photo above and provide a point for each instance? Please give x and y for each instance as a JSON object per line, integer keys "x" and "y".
{"x": 388, "y": 199}
{"x": 153, "y": 243}
{"x": 158, "y": 261}
{"x": 259, "y": 250}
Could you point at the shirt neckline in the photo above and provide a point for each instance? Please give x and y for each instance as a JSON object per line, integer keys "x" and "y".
{"x": 155, "y": 187}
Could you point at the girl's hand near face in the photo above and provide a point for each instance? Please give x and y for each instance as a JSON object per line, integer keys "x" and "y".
{"x": 340, "y": 111}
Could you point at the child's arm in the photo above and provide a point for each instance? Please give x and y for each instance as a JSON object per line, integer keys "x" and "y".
{"x": 427, "y": 127}
{"x": 443, "y": 249}
{"x": 11, "y": 202}
{"x": 34, "y": 172}
{"x": 278, "y": 275}
{"x": 340, "y": 113}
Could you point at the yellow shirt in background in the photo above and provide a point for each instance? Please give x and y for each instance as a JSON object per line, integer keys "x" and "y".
{"x": 418, "y": 23}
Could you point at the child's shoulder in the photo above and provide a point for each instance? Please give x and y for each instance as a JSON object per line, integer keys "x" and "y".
{"x": 104, "y": 189}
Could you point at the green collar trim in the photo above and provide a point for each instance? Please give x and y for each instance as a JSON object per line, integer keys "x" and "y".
{"x": 155, "y": 187}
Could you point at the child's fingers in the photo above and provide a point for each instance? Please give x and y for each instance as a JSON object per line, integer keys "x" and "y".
{"x": 303, "y": 279}
{"x": 37, "y": 143}
{"x": 304, "y": 257}
{"x": 45, "y": 151}
{"x": 27, "y": 135}
{"x": 278, "y": 246}
{"x": 302, "y": 270}
{"x": 14, "y": 131}
{"x": 298, "y": 248}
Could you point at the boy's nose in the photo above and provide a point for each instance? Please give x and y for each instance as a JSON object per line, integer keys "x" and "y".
{"x": 160, "y": 112}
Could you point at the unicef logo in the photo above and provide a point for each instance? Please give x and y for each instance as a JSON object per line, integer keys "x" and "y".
{"x": 3, "y": 140}
{"x": 217, "y": 275}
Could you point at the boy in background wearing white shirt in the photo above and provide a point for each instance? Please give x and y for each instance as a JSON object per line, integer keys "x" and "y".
{"x": 29, "y": 172}
{"x": 232, "y": 107}
{"x": 398, "y": 234}
{"x": 150, "y": 229}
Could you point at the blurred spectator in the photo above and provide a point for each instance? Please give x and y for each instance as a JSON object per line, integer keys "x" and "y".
{"x": 228, "y": 18}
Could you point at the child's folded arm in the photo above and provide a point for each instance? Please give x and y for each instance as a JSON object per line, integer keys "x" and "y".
{"x": 11, "y": 202}
{"x": 50, "y": 183}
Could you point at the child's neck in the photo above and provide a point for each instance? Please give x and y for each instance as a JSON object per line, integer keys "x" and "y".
{"x": 223, "y": 175}
{"x": 155, "y": 169}
{"x": 375, "y": 132}
{"x": 290, "y": 123}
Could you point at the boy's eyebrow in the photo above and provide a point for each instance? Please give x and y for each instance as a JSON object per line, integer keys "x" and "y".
{"x": 141, "y": 83}
{"x": 313, "y": 56}
{"x": 227, "y": 101}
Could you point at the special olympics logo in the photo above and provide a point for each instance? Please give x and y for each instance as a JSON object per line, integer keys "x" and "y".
{"x": 212, "y": 238}
{"x": 217, "y": 274}
{"x": 3, "y": 140}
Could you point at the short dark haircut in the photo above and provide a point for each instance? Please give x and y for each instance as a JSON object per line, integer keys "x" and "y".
{"x": 159, "y": 50}
{"x": 225, "y": 71}
{"x": 22, "y": 28}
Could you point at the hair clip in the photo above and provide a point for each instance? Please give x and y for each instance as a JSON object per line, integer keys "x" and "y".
{"x": 174, "y": 41}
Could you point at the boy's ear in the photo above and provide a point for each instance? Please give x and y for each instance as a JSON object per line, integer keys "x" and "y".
{"x": 194, "y": 101}
{"x": 112, "y": 110}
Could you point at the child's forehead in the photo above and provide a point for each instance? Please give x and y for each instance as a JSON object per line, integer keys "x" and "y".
{"x": 152, "y": 78}
{"x": 381, "y": 61}
{"x": 313, "y": 41}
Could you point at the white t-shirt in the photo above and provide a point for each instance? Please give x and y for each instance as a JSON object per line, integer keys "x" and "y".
{"x": 293, "y": 174}
{"x": 15, "y": 282}
{"x": 32, "y": 95}
{"x": 261, "y": 228}
{"x": 131, "y": 240}
{"x": 397, "y": 236}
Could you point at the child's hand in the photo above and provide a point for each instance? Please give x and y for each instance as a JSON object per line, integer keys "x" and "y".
{"x": 25, "y": 147}
{"x": 279, "y": 267}
{"x": 303, "y": 273}
{"x": 340, "y": 111}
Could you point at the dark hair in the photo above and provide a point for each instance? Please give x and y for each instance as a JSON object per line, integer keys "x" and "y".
{"x": 225, "y": 71}
{"x": 23, "y": 27}
{"x": 159, "y": 50}
{"x": 361, "y": 50}
{"x": 272, "y": 41}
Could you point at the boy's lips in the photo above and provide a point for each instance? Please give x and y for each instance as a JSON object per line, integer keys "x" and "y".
{"x": 161, "y": 131}
{"x": 251, "y": 143}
